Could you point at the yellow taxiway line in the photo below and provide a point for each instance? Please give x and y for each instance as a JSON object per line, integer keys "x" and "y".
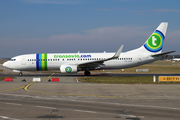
{"x": 23, "y": 87}
{"x": 27, "y": 86}
{"x": 13, "y": 89}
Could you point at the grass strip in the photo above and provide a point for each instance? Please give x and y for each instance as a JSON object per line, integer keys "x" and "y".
{"x": 152, "y": 69}
{"x": 124, "y": 80}
{"x": 2, "y": 78}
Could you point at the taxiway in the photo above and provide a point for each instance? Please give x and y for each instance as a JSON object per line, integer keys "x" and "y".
{"x": 70, "y": 99}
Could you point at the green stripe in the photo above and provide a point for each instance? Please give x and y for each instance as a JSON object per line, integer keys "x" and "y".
{"x": 45, "y": 63}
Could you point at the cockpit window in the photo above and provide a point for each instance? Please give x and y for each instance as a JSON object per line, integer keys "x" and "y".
{"x": 13, "y": 60}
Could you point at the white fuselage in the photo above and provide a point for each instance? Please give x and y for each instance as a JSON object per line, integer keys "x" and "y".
{"x": 176, "y": 59}
{"x": 30, "y": 62}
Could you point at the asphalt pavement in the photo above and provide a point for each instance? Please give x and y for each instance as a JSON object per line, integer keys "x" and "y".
{"x": 70, "y": 99}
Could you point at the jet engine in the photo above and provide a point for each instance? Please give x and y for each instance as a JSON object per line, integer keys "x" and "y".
{"x": 68, "y": 68}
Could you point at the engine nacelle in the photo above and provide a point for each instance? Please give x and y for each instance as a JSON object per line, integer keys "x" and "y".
{"x": 68, "y": 68}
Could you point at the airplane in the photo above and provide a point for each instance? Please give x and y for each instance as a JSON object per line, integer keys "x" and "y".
{"x": 176, "y": 59}
{"x": 149, "y": 52}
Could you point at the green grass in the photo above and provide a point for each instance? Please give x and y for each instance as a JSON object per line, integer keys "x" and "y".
{"x": 2, "y": 78}
{"x": 155, "y": 67}
{"x": 165, "y": 62}
{"x": 1, "y": 70}
{"x": 123, "y": 80}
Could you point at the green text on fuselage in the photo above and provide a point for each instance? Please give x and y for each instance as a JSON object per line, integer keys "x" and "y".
{"x": 67, "y": 56}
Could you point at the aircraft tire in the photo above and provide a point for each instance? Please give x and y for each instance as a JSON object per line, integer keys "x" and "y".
{"x": 87, "y": 73}
{"x": 20, "y": 74}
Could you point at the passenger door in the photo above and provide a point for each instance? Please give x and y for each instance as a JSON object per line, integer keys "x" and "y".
{"x": 139, "y": 59}
{"x": 23, "y": 60}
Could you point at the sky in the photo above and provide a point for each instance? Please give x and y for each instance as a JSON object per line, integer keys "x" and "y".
{"x": 66, "y": 26}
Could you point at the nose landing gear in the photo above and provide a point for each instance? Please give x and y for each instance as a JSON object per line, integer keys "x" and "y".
{"x": 20, "y": 74}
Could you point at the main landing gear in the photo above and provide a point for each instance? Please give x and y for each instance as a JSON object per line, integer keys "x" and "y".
{"x": 20, "y": 74}
{"x": 87, "y": 73}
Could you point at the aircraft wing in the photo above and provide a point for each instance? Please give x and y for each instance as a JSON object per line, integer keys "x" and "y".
{"x": 98, "y": 63}
{"x": 161, "y": 54}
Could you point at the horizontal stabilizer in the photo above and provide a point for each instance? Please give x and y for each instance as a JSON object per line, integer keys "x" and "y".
{"x": 161, "y": 54}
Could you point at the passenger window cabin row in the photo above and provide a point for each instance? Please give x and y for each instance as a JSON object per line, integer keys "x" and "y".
{"x": 79, "y": 59}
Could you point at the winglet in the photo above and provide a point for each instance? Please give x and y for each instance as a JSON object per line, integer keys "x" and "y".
{"x": 117, "y": 54}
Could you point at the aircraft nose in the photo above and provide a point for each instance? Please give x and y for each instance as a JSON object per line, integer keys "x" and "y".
{"x": 6, "y": 64}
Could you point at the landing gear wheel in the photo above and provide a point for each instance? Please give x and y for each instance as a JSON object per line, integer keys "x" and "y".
{"x": 20, "y": 74}
{"x": 87, "y": 73}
